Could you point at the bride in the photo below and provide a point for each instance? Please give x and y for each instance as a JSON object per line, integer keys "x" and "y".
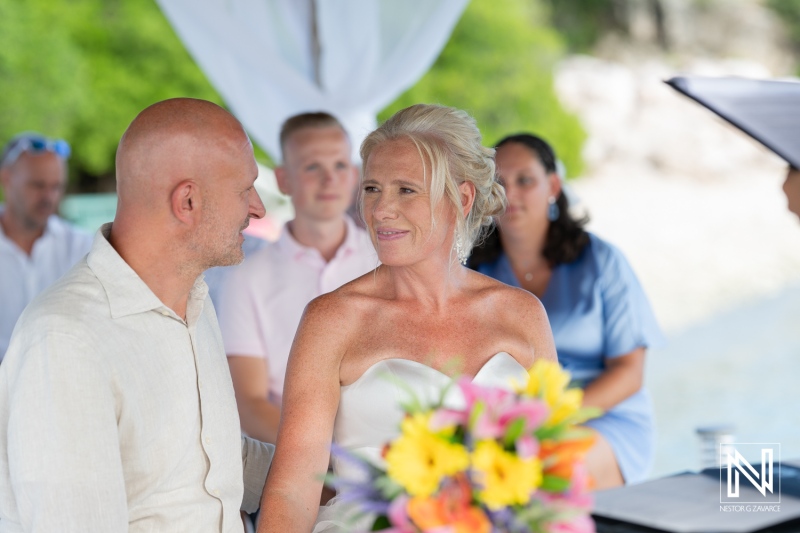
{"x": 427, "y": 191}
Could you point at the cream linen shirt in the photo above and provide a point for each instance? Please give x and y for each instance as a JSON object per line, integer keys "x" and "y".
{"x": 116, "y": 415}
{"x": 23, "y": 276}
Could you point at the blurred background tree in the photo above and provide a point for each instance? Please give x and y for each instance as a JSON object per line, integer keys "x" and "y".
{"x": 82, "y": 69}
{"x": 789, "y": 13}
{"x": 498, "y": 65}
{"x": 583, "y": 23}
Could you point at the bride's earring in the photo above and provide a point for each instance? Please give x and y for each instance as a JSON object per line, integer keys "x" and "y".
{"x": 461, "y": 250}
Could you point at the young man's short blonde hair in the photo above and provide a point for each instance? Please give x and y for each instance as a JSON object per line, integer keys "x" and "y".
{"x": 317, "y": 119}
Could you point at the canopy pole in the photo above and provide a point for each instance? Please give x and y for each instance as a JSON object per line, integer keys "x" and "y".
{"x": 316, "y": 49}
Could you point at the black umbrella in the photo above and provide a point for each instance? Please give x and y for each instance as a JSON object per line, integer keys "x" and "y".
{"x": 767, "y": 110}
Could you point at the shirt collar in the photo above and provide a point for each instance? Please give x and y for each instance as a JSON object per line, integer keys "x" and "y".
{"x": 127, "y": 293}
{"x": 350, "y": 244}
{"x": 289, "y": 245}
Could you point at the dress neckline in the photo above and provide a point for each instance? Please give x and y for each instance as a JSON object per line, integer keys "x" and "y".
{"x": 399, "y": 360}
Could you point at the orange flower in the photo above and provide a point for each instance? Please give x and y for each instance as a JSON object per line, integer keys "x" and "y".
{"x": 558, "y": 458}
{"x": 451, "y": 508}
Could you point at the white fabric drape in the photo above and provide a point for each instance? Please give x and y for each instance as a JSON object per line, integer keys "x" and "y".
{"x": 260, "y": 55}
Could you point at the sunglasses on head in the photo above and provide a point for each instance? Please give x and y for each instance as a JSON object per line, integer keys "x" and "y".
{"x": 36, "y": 144}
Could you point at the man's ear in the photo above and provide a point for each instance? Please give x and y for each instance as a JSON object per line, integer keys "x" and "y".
{"x": 467, "y": 190}
{"x": 185, "y": 202}
{"x": 284, "y": 183}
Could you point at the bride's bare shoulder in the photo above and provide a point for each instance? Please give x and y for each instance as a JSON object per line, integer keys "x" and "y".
{"x": 345, "y": 306}
{"x": 520, "y": 311}
{"x": 507, "y": 300}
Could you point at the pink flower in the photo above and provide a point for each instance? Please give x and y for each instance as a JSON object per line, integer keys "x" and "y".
{"x": 489, "y": 411}
{"x": 527, "y": 446}
{"x": 445, "y": 418}
{"x": 534, "y": 412}
{"x": 398, "y": 516}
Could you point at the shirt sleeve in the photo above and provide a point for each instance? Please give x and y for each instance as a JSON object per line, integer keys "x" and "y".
{"x": 256, "y": 460}
{"x": 628, "y": 319}
{"x": 63, "y": 445}
{"x": 238, "y": 313}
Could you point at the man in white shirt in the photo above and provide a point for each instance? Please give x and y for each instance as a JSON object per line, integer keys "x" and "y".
{"x": 117, "y": 411}
{"x": 36, "y": 246}
{"x": 317, "y": 252}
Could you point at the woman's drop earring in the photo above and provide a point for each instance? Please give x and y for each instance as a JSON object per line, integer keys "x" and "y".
{"x": 461, "y": 250}
{"x": 552, "y": 210}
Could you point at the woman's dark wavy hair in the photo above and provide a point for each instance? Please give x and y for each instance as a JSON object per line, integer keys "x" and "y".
{"x": 566, "y": 237}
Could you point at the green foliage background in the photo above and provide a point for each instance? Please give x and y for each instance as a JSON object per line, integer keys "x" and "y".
{"x": 82, "y": 70}
{"x": 789, "y": 13}
{"x": 498, "y": 66}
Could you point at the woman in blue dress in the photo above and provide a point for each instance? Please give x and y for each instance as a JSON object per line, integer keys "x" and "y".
{"x": 601, "y": 320}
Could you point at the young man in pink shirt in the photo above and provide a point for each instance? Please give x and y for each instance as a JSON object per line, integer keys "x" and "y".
{"x": 318, "y": 251}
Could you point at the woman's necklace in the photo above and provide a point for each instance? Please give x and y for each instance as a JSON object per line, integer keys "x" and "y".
{"x": 528, "y": 276}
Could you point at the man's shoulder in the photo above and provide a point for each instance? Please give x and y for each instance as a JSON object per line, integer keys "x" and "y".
{"x": 78, "y": 296}
{"x": 74, "y": 307}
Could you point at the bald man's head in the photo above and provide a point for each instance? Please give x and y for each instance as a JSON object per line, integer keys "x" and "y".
{"x": 170, "y": 141}
{"x": 185, "y": 172}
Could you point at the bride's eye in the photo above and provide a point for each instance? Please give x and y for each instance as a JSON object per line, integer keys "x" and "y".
{"x": 370, "y": 188}
{"x": 406, "y": 190}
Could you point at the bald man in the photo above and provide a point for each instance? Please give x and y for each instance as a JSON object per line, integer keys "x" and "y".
{"x": 117, "y": 411}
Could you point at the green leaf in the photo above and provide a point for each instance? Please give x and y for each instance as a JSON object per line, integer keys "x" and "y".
{"x": 514, "y": 432}
{"x": 381, "y": 523}
{"x": 477, "y": 410}
{"x": 554, "y": 484}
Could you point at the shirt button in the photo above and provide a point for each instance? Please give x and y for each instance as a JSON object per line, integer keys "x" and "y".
{"x": 208, "y": 440}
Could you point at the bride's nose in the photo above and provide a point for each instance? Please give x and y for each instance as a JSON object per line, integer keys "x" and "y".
{"x": 384, "y": 207}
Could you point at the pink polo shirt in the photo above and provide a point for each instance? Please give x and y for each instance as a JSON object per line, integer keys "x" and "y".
{"x": 263, "y": 299}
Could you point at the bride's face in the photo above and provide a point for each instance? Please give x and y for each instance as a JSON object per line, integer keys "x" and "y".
{"x": 397, "y": 207}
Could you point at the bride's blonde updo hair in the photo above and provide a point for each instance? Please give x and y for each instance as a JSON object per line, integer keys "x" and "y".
{"x": 449, "y": 141}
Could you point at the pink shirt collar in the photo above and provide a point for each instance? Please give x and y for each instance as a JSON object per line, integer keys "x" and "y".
{"x": 288, "y": 245}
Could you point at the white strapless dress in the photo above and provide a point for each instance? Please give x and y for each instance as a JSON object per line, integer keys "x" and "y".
{"x": 369, "y": 412}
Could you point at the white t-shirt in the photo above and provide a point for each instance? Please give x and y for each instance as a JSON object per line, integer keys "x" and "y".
{"x": 22, "y": 277}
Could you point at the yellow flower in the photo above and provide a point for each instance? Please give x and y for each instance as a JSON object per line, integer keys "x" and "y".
{"x": 548, "y": 382}
{"x": 506, "y": 479}
{"x": 420, "y": 458}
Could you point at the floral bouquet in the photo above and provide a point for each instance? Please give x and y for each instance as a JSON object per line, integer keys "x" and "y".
{"x": 507, "y": 461}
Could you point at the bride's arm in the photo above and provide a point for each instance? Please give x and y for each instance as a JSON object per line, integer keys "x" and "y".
{"x": 310, "y": 400}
